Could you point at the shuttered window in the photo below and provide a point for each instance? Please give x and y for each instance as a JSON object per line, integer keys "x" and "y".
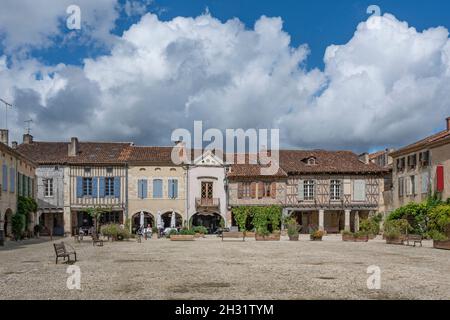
{"x": 401, "y": 187}
{"x": 440, "y": 178}
{"x": 157, "y": 188}
{"x": 12, "y": 180}
{"x": 425, "y": 182}
{"x": 4, "y": 177}
{"x": 142, "y": 189}
{"x": 173, "y": 188}
{"x": 359, "y": 190}
{"x": 335, "y": 190}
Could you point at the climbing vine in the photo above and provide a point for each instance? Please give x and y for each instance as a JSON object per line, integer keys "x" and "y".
{"x": 264, "y": 219}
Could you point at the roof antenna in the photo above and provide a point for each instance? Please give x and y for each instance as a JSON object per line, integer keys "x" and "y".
{"x": 28, "y": 127}
{"x": 6, "y": 111}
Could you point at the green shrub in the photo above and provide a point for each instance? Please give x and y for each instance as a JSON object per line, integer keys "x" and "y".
{"x": 436, "y": 235}
{"x": 115, "y": 231}
{"x": 415, "y": 213}
{"x": 18, "y": 225}
{"x": 370, "y": 226}
{"x": 186, "y": 232}
{"x": 172, "y": 232}
{"x": 200, "y": 229}
{"x": 293, "y": 228}
{"x": 439, "y": 219}
{"x": 396, "y": 228}
{"x": 347, "y": 233}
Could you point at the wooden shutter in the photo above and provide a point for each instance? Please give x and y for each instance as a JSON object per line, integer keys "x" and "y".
{"x": 94, "y": 187}
{"x": 12, "y": 178}
{"x": 359, "y": 190}
{"x": 170, "y": 191}
{"x": 79, "y": 187}
{"x": 117, "y": 187}
{"x": 273, "y": 190}
{"x": 425, "y": 182}
{"x": 347, "y": 187}
{"x": 5, "y": 177}
{"x": 102, "y": 187}
{"x": 144, "y": 188}
{"x": 140, "y": 194}
{"x": 253, "y": 190}
{"x": 175, "y": 189}
{"x": 301, "y": 190}
{"x": 440, "y": 178}
{"x": 260, "y": 189}
{"x": 157, "y": 188}
{"x": 240, "y": 190}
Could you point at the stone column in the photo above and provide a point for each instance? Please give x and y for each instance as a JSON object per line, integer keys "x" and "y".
{"x": 2, "y": 232}
{"x": 321, "y": 220}
{"x": 347, "y": 220}
{"x": 284, "y": 215}
{"x": 356, "y": 221}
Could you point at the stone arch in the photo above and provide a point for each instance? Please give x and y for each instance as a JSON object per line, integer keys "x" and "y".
{"x": 148, "y": 219}
{"x": 7, "y": 227}
{"x": 166, "y": 217}
{"x": 209, "y": 220}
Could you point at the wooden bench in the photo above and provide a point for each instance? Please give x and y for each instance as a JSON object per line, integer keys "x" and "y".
{"x": 61, "y": 252}
{"x": 414, "y": 238}
{"x": 233, "y": 235}
{"x": 96, "y": 240}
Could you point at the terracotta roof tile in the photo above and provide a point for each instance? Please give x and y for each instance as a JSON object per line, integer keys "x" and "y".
{"x": 423, "y": 142}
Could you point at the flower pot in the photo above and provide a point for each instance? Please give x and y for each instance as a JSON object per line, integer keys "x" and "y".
{"x": 445, "y": 244}
{"x": 293, "y": 237}
{"x": 362, "y": 239}
{"x": 348, "y": 238}
{"x": 395, "y": 240}
{"x": 250, "y": 234}
{"x": 182, "y": 237}
{"x": 270, "y": 237}
{"x": 315, "y": 238}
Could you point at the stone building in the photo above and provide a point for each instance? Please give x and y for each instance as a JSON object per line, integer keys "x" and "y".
{"x": 75, "y": 176}
{"x": 17, "y": 178}
{"x": 422, "y": 169}
{"x": 155, "y": 186}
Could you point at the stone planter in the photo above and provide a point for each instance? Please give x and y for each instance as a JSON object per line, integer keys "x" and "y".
{"x": 348, "y": 238}
{"x": 250, "y": 234}
{"x": 182, "y": 237}
{"x": 372, "y": 236}
{"x": 199, "y": 235}
{"x": 362, "y": 239}
{"x": 294, "y": 238}
{"x": 396, "y": 241}
{"x": 270, "y": 237}
{"x": 445, "y": 245}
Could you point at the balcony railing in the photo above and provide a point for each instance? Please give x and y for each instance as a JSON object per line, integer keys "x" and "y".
{"x": 206, "y": 203}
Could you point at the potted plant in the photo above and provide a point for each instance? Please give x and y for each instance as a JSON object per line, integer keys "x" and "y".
{"x": 200, "y": 231}
{"x": 348, "y": 236}
{"x": 155, "y": 232}
{"x": 316, "y": 235}
{"x": 184, "y": 235}
{"x": 293, "y": 229}
{"x": 439, "y": 225}
{"x": 395, "y": 230}
{"x": 370, "y": 226}
{"x": 361, "y": 236}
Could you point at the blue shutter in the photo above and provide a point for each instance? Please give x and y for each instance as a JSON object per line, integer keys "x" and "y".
{"x": 175, "y": 189}
{"x": 94, "y": 187}
{"x": 157, "y": 188}
{"x": 117, "y": 187}
{"x": 12, "y": 178}
{"x": 5, "y": 178}
{"x": 171, "y": 188}
{"x": 79, "y": 187}
{"x": 140, "y": 196}
{"x": 102, "y": 187}
{"x": 144, "y": 189}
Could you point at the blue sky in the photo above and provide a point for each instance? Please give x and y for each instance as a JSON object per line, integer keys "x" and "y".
{"x": 325, "y": 73}
{"x": 318, "y": 23}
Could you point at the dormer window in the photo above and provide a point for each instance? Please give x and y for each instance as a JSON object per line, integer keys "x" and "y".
{"x": 311, "y": 161}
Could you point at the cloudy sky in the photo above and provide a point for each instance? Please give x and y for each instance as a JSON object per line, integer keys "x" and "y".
{"x": 326, "y": 73}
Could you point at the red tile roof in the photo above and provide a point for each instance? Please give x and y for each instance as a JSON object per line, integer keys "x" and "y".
{"x": 423, "y": 143}
{"x": 150, "y": 155}
{"x": 49, "y": 153}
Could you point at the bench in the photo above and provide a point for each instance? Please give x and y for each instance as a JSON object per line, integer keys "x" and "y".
{"x": 61, "y": 252}
{"x": 233, "y": 235}
{"x": 96, "y": 240}
{"x": 414, "y": 238}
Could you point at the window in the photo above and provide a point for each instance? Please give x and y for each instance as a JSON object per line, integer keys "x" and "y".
{"x": 359, "y": 190}
{"x": 425, "y": 182}
{"x": 413, "y": 185}
{"x": 87, "y": 170}
{"x": 412, "y": 161}
{"x": 308, "y": 189}
{"x": 246, "y": 189}
{"x": 424, "y": 158}
{"x": 157, "y": 188}
{"x": 401, "y": 187}
{"x": 109, "y": 170}
{"x": 335, "y": 190}
{"x": 109, "y": 187}
{"x": 400, "y": 164}
{"x": 173, "y": 188}
{"x": 312, "y": 161}
{"x": 48, "y": 187}
{"x": 87, "y": 186}
{"x": 142, "y": 188}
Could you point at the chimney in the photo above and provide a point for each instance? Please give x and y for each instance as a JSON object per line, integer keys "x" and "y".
{"x": 448, "y": 124}
{"x": 14, "y": 144}
{"x": 4, "y": 137}
{"x": 27, "y": 138}
{"x": 73, "y": 147}
{"x": 364, "y": 158}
